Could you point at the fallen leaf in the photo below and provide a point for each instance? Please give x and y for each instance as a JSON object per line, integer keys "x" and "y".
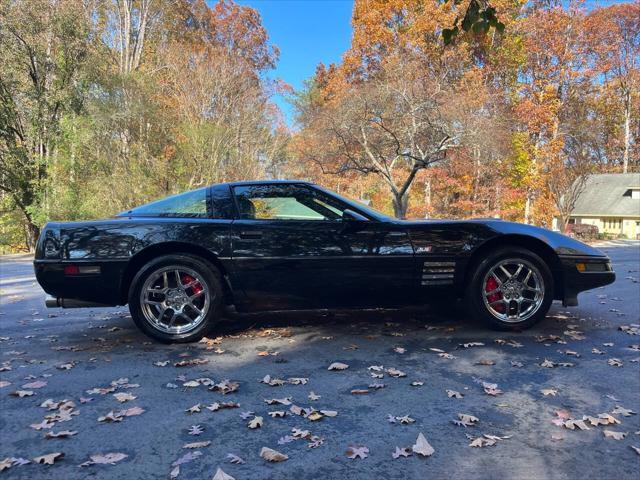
{"x": 21, "y": 393}
{"x": 277, "y": 414}
{"x": 104, "y": 459}
{"x": 49, "y": 459}
{"x": 161, "y": 364}
{"x": 359, "y": 391}
{"x": 472, "y": 344}
{"x": 256, "y": 422}
{"x": 4, "y": 383}
{"x": 124, "y": 397}
{"x": 60, "y": 434}
{"x": 220, "y": 475}
{"x": 235, "y": 459}
{"x": 278, "y": 401}
{"x": 615, "y": 362}
{"x": 549, "y": 391}
{"x": 271, "y": 455}
{"x": 399, "y": 350}
{"x": 195, "y": 430}
{"x": 173, "y": 474}
{"x": 35, "y": 385}
{"x": 635, "y": 449}
{"x": 466, "y": 420}
{"x": 313, "y": 396}
{"x": 625, "y": 412}
{"x": 402, "y": 452}
{"x": 338, "y": 366}
{"x": 357, "y": 451}
{"x": 206, "y": 443}
{"x": 396, "y": 373}
{"x": 485, "y": 362}
{"x": 615, "y": 435}
{"x": 195, "y": 409}
{"x": 191, "y": 362}
{"x": 422, "y": 447}
{"x": 454, "y": 394}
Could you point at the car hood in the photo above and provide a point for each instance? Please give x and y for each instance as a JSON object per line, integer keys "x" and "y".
{"x": 562, "y": 244}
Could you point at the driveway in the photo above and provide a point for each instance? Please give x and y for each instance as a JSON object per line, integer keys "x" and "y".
{"x": 131, "y": 397}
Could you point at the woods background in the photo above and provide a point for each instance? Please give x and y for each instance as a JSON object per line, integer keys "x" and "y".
{"x": 107, "y": 104}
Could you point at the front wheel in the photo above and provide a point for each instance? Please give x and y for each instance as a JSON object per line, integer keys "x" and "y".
{"x": 176, "y": 298}
{"x": 511, "y": 289}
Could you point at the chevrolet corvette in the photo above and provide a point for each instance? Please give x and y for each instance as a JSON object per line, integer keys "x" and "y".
{"x": 291, "y": 245}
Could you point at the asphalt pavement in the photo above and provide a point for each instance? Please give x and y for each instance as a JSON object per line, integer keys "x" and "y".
{"x": 525, "y": 389}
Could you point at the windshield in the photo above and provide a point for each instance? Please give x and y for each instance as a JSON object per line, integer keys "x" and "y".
{"x": 360, "y": 207}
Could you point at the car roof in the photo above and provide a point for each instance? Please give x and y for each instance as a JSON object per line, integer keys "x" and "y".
{"x": 263, "y": 182}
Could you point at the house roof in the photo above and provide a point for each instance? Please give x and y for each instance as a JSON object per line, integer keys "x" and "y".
{"x": 604, "y": 195}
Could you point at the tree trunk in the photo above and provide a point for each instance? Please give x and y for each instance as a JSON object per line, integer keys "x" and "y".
{"x": 400, "y": 205}
{"x": 32, "y": 232}
{"x": 627, "y": 132}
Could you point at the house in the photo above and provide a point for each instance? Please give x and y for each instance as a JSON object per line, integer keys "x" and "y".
{"x": 611, "y": 202}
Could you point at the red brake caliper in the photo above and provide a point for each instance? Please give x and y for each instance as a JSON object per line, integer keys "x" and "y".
{"x": 186, "y": 279}
{"x": 490, "y": 286}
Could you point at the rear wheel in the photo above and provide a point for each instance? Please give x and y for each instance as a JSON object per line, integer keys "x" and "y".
{"x": 176, "y": 298}
{"x": 511, "y": 289}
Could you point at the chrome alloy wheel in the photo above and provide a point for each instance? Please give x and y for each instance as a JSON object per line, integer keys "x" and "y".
{"x": 513, "y": 290}
{"x": 175, "y": 299}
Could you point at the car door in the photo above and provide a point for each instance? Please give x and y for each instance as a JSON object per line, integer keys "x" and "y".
{"x": 292, "y": 248}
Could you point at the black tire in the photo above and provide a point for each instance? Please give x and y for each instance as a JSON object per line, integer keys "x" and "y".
{"x": 491, "y": 313}
{"x": 208, "y": 280}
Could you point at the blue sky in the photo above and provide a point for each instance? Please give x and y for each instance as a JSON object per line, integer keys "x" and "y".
{"x": 306, "y": 32}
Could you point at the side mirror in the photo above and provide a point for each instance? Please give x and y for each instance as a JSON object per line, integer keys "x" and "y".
{"x": 351, "y": 216}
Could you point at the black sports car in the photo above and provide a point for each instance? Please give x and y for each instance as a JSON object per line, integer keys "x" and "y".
{"x": 275, "y": 245}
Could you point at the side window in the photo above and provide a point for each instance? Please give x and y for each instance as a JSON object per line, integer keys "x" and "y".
{"x": 285, "y": 202}
{"x": 191, "y": 204}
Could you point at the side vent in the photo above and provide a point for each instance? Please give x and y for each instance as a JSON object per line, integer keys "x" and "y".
{"x": 438, "y": 273}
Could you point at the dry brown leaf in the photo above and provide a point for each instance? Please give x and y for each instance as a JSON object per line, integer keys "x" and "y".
{"x": 21, "y": 393}
{"x": 34, "y": 385}
{"x": 454, "y": 394}
{"x": 329, "y": 413}
{"x": 485, "y": 362}
{"x": 105, "y": 459}
{"x": 225, "y": 386}
{"x": 298, "y": 381}
{"x": 256, "y": 422}
{"x": 338, "y": 366}
{"x": 357, "y": 451}
{"x": 549, "y": 391}
{"x": 60, "y": 434}
{"x": 277, "y": 414}
{"x": 472, "y": 344}
{"x": 4, "y": 383}
{"x": 271, "y": 455}
{"x": 235, "y": 459}
{"x": 635, "y": 449}
{"x": 49, "y": 459}
{"x": 191, "y": 362}
{"x": 313, "y": 396}
{"x": 422, "y": 447}
{"x": 625, "y": 412}
{"x": 220, "y": 475}
{"x": 315, "y": 416}
{"x": 466, "y": 420}
{"x": 278, "y": 401}
{"x": 195, "y": 430}
{"x": 394, "y": 372}
{"x": 615, "y": 435}
{"x": 615, "y": 362}
{"x": 173, "y": 474}
{"x": 274, "y": 382}
{"x": 206, "y": 443}
{"x": 402, "y": 452}
{"x": 195, "y": 409}
{"x": 359, "y": 391}
{"x": 124, "y": 397}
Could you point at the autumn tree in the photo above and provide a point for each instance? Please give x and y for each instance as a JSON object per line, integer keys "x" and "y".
{"x": 612, "y": 43}
{"x": 392, "y": 126}
{"x": 43, "y": 46}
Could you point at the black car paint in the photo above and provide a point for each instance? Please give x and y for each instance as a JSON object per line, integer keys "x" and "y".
{"x": 292, "y": 264}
